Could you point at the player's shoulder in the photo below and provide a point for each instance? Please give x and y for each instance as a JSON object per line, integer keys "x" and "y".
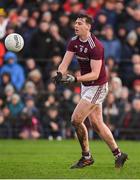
{"x": 95, "y": 42}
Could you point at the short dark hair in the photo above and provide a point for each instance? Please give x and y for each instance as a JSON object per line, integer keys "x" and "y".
{"x": 88, "y": 19}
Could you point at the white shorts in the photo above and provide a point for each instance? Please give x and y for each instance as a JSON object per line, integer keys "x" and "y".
{"x": 94, "y": 94}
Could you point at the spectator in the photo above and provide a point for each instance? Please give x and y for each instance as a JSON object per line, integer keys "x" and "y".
{"x": 93, "y": 8}
{"x": 131, "y": 120}
{"x": 36, "y": 77}
{"x": 27, "y": 30}
{"x": 29, "y": 90}
{"x": 111, "y": 112}
{"x": 64, "y": 25}
{"x": 2, "y": 52}
{"x": 100, "y": 22}
{"x": 5, "y": 127}
{"x": 67, "y": 104}
{"x": 52, "y": 124}
{"x": 59, "y": 42}
{"x": 30, "y": 65}
{"x": 3, "y": 23}
{"x": 15, "y": 106}
{"x": 116, "y": 87}
{"x": 136, "y": 89}
{"x": 109, "y": 8}
{"x": 131, "y": 46}
{"x": 5, "y": 80}
{"x": 14, "y": 69}
{"x": 9, "y": 91}
{"x": 110, "y": 42}
{"x": 42, "y": 42}
{"x": 30, "y": 126}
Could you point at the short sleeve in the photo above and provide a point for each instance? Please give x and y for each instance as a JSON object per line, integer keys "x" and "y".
{"x": 97, "y": 53}
{"x": 70, "y": 46}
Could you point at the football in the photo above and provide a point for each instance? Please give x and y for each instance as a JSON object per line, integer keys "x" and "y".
{"x": 14, "y": 42}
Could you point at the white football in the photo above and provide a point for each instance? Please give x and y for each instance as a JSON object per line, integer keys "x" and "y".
{"x": 14, "y": 42}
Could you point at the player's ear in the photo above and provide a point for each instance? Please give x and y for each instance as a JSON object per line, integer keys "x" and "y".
{"x": 89, "y": 27}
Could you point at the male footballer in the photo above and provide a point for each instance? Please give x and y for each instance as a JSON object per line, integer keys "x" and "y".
{"x": 94, "y": 88}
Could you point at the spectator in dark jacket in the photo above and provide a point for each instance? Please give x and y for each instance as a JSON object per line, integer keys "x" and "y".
{"x": 52, "y": 124}
{"x": 42, "y": 42}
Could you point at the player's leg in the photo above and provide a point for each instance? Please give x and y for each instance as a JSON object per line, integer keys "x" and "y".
{"x": 82, "y": 110}
{"x": 104, "y": 132}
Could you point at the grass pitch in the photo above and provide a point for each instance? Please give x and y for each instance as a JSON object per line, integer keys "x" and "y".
{"x": 52, "y": 159}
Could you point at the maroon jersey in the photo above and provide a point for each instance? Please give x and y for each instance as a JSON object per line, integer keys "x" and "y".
{"x": 85, "y": 51}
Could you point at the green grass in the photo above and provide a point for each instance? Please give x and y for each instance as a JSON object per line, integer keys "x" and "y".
{"x": 45, "y": 159}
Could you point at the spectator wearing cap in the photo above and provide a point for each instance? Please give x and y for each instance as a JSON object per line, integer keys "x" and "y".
{"x": 14, "y": 69}
{"x": 47, "y": 16}
{"x": 112, "y": 45}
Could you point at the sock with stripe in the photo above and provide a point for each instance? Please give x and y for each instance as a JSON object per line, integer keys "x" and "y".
{"x": 116, "y": 153}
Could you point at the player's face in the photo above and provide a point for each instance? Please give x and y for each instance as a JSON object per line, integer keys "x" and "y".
{"x": 81, "y": 27}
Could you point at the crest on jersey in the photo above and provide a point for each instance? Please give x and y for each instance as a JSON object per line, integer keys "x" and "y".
{"x": 85, "y": 50}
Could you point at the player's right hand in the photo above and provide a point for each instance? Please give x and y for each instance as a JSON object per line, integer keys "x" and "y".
{"x": 57, "y": 79}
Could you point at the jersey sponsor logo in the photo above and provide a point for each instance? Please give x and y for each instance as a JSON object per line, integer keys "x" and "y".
{"x": 82, "y": 58}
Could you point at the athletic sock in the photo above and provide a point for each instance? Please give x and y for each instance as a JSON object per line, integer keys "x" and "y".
{"x": 116, "y": 153}
{"x": 86, "y": 155}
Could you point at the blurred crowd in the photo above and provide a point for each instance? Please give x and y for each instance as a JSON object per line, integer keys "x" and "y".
{"x": 31, "y": 105}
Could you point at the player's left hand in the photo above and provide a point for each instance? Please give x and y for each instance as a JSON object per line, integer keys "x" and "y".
{"x": 69, "y": 79}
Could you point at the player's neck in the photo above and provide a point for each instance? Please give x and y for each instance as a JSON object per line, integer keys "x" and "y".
{"x": 85, "y": 37}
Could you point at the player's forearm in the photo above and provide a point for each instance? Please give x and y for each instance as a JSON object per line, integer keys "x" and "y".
{"x": 62, "y": 68}
{"x": 88, "y": 77}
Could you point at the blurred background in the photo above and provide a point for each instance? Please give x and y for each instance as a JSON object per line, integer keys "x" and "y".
{"x": 31, "y": 106}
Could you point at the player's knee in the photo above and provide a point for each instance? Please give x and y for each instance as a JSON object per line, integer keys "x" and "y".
{"x": 76, "y": 119}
